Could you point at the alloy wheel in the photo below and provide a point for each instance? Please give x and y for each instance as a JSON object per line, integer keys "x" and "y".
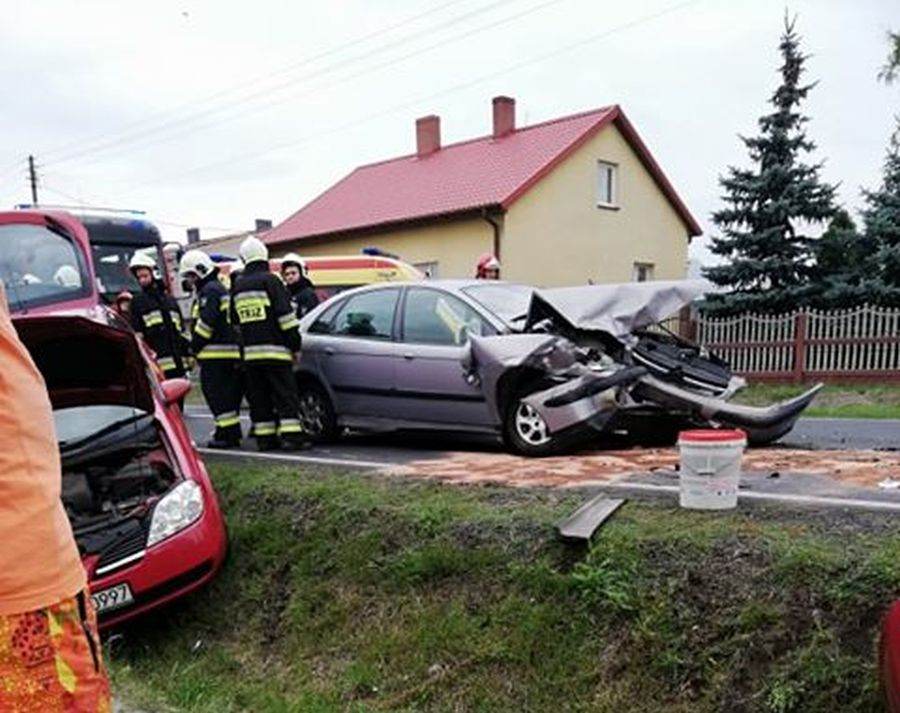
{"x": 530, "y": 426}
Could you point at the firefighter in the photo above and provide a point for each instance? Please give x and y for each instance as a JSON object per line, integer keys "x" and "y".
{"x": 301, "y": 289}
{"x": 157, "y": 318}
{"x": 270, "y": 337}
{"x": 487, "y": 268}
{"x": 215, "y": 347}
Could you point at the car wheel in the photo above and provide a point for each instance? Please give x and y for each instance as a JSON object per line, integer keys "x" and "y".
{"x": 317, "y": 412}
{"x": 526, "y": 432}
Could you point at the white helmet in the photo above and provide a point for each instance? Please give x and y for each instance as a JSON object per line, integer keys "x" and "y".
{"x": 196, "y": 262}
{"x": 140, "y": 259}
{"x": 295, "y": 259}
{"x": 253, "y": 250}
{"x": 67, "y": 276}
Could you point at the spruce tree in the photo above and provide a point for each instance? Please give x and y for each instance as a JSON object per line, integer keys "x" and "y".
{"x": 767, "y": 256}
{"x": 845, "y": 273}
{"x": 881, "y": 218}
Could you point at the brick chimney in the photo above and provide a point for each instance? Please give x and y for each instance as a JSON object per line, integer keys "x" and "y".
{"x": 428, "y": 135}
{"x": 193, "y": 236}
{"x": 504, "y": 116}
{"x": 262, "y": 224}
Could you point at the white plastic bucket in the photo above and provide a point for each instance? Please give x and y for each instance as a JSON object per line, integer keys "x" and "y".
{"x": 710, "y": 468}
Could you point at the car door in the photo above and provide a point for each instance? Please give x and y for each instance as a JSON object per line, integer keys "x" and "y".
{"x": 358, "y": 354}
{"x": 431, "y": 385}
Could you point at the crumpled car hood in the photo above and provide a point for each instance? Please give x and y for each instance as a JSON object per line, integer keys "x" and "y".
{"x": 618, "y": 309}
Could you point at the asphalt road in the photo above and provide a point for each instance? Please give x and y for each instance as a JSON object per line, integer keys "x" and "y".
{"x": 845, "y": 434}
{"x": 390, "y": 449}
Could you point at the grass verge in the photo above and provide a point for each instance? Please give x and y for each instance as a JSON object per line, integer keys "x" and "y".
{"x": 834, "y": 401}
{"x": 348, "y": 592}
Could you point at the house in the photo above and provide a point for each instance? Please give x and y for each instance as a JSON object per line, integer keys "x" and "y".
{"x": 569, "y": 201}
{"x": 225, "y": 245}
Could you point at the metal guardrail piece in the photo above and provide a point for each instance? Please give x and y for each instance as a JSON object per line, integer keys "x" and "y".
{"x": 583, "y": 523}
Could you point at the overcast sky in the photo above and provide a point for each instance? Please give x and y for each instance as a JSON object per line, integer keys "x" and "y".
{"x": 215, "y": 113}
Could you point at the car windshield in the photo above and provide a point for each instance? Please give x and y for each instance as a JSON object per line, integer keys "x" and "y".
{"x": 39, "y": 265}
{"x": 111, "y": 265}
{"x": 509, "y": 302}
{"x": 113, "y": 243}
{"x": 79, "y": 423}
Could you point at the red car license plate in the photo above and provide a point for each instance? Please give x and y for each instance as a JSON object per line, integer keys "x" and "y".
{"x": 112, "y": 598}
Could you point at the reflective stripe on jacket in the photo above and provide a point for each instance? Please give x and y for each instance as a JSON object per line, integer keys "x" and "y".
{"x": 261, "y": 309}
{"x": 213, "y": 336}
{"x": 157, "y": 318}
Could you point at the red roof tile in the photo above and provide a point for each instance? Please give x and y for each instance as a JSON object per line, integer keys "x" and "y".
{"x": 465, "y": 176}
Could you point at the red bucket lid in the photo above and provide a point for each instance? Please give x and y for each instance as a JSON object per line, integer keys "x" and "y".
{"x": 709, "y": 435}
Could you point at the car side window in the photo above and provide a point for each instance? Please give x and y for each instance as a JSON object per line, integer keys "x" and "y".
{"x": 325, "y": 321}
{"x": 368, "y": 315}
{"x": 434, "y": 317}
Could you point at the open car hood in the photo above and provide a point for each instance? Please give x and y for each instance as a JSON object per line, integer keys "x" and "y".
{"x": 87, "y": 361}
{"x": 617, "y": 309}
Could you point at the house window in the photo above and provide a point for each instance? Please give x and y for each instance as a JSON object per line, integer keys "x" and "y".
{"x": 429, "y": 269}
{"x": 607, "y": 184}
{"x": 642, "y": 272}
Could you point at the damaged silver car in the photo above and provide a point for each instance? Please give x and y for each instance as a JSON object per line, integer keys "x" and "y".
{"x": 542, "y": 369}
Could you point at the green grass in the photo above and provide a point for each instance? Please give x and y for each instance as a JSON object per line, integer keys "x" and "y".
{"x": 346, "y": 592}
{"x": 834, "y": 401}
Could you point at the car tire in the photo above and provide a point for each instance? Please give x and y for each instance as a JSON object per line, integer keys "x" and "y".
{"x": 317, "y": 412}
{"x": 525, "y": 432}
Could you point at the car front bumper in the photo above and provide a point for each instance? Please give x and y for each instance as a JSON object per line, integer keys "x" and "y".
{"x": 168, "y": 570}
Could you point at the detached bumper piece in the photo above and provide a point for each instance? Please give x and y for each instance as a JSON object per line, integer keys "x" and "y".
{"x": 762, "y": 425}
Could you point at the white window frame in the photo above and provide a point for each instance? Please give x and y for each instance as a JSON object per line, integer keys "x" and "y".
{"x": 429, "y": 269}
{"x": 610, "y": 170}
{"x": 648, "y": 269}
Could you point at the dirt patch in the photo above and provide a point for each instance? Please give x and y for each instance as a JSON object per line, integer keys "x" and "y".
{"x": 852, "y": 468}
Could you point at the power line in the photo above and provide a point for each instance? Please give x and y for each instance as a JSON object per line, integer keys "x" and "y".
{"x": 268, "y": 91}
{"x": 13, "y": 167}
{"x": 258, "y": 78}
{"x": 239, "y": 158}
{"x": 80, "y": 203}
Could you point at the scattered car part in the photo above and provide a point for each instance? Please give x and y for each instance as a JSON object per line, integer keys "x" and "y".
{"x": 583, "y": 523}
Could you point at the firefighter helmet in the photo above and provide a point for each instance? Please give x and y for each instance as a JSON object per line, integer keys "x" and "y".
{"x": 486, "y": 263}
{"x": 196, "y": 262}
{"x": 67, "y": 276}
{"x": 142, "y": 260}
{"x": 253, "y": 250}
{"x": 295, "y": 259}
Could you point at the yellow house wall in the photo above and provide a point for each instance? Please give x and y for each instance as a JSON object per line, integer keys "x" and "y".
{"x": 556, "y": 235}
{"x": 455, "y": 246}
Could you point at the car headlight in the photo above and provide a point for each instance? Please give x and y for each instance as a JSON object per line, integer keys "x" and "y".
{"x": 180, "y": 507}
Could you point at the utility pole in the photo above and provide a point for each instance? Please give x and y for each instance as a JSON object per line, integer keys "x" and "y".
{"x": 32, "y": 179}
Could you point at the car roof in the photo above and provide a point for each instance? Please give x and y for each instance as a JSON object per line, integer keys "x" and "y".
{"x": 448, "y": 283}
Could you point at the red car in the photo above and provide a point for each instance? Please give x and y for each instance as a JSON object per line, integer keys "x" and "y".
{"x": 142, "y": 507}
{"x": 889, "y": 655}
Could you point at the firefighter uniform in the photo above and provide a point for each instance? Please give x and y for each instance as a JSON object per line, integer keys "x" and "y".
{"x": 157, "y": 318}
{"x": 219, "y": 356}
{"x": 302, "y": 292}
{"x": 269, "y": 338}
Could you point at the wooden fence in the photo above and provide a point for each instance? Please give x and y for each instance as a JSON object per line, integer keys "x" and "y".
{"x": 843, "y": 345}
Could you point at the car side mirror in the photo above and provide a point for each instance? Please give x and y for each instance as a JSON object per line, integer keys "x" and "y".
{"x": 174, "y": 390}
